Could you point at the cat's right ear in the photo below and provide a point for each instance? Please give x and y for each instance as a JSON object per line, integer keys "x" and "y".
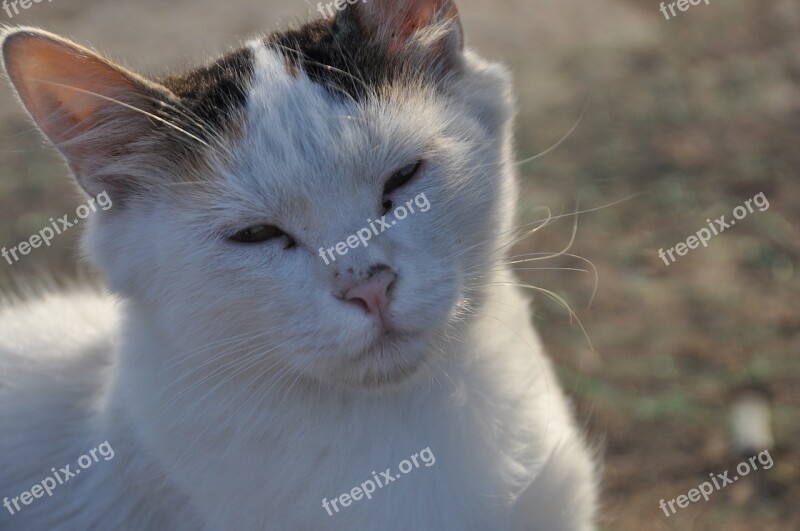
{"x": 92, "y": 110}
{"x": 398, "y": 23}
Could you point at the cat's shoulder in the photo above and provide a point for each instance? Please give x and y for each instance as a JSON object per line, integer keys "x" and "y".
{"x": 57, "y": 326}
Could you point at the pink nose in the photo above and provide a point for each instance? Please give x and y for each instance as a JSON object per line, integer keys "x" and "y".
{"x": 373, "y": 293}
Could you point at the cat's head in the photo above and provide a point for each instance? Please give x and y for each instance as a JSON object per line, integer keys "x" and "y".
{"x": 249, "y": 195}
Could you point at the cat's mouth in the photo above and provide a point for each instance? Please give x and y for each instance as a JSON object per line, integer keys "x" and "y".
{"x": 391, "y": 359}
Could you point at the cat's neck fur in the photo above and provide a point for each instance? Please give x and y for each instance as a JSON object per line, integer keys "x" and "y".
{"x": 309, "y": 427}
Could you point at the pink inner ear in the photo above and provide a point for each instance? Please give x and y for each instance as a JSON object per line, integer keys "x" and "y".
{"x": 57, "y": 82}
{"x": 413, "y": 16}
{"x": 71, "y": 93}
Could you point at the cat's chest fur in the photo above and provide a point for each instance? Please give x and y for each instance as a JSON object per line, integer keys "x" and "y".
{"x": 488, "y": 428}
{"x": 502, "y": 440}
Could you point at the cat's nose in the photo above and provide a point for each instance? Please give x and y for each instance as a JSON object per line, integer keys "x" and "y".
{"x": 372, "y": 293}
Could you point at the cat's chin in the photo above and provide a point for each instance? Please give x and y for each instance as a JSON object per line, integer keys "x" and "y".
{"x": 393, "y": 360}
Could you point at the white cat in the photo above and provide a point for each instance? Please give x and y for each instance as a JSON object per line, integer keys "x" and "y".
{"x": 242, "y": 381}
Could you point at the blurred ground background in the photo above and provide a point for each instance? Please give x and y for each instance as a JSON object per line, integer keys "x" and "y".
{"x": 695, "y": 115}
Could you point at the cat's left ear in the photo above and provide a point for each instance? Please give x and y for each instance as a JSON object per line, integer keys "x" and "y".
{"x": 435, "y": 24}
{"x": 98, "y": 114}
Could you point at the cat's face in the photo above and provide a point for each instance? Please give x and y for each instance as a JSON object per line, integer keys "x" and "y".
{"x": 325, "y": 221}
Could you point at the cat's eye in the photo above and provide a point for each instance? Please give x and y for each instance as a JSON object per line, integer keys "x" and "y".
{"x": 400, "y": 178}
{"x": 262, "y": 233}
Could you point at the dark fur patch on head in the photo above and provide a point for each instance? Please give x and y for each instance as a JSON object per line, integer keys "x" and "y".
{"x": 338, "y": 55}
{"x": 215, "y": 92}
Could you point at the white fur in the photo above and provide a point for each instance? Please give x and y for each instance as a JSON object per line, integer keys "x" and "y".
{"x": 237, "y": 392}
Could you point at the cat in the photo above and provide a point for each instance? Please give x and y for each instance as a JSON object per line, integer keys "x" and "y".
{"x": 243, "y": 382}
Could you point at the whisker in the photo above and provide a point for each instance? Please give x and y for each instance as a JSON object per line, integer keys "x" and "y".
{"x": 127, "y": 106}
{"x": 554, "y": 296}
{"x": 551, "y": 148}
{"x": 550, "y": 269}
